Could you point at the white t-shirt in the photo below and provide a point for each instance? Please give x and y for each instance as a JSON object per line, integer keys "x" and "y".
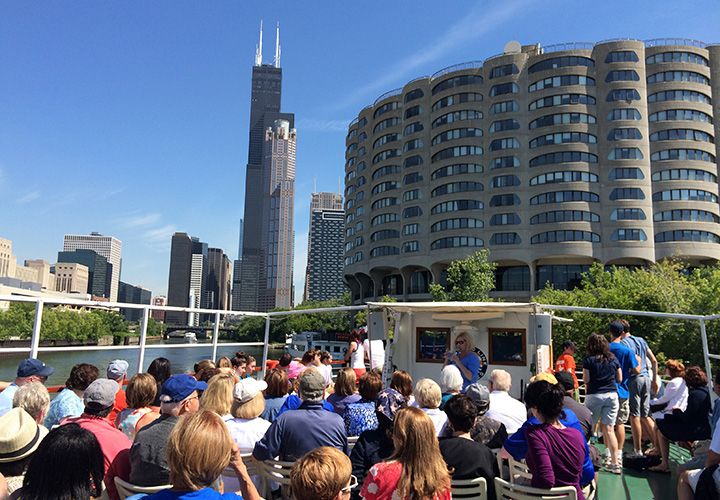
{"x": 357, "y": 358}
{"x": 507, "y": 410}
{"x": 245, "y": 433}
{"x": 438, "y": 417}
{"x": 376, "y": 352}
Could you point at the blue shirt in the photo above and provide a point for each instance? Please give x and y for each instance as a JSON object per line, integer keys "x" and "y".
{"x": 65, "y": 404}
{"x": 293, "y": 402}
{"x": 517, "y": 445}
{"x": 6, "y": 398}
{"x": 272, "y": 407}
{"x": 640, "y": 348}
{"x": 360, "y": 417}
{"x": 472, "y": 362}
{"x": 295, "y": 433}
{"x": 627, "y": 361}
{"x": 203, "y": 494}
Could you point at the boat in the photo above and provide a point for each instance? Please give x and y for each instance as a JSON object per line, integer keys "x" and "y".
{"x": 296, "y": 344}
{"x": 190, "y": 338}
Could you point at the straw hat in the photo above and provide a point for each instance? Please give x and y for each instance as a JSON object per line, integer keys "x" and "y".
{"x": 20, "y": 435}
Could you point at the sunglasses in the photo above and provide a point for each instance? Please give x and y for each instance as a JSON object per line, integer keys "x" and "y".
{"x": 353, "y": 484}
{"x": 460, "y": 342}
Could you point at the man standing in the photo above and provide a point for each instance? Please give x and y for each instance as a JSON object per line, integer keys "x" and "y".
{"x": 178, "y": 397}
{"x": 29, "y": 370}
{"x": 117, "y": 371}
{"x": 294, "y": 433}
{"x": 640, "y": 387}
{"x": 566, "y": 363}
{"x": 504, "y": 407}
{"x": 629, "y": 366}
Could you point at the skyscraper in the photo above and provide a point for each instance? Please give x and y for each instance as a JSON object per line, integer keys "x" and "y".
{"x": 107, "y": 246}
{"x": 218, "y": 279}
{"x": 186, "y": 280}
{"x": 98, "y": 267}
{"x": 323, "y": 275}
{"x": 264, "y": 112}
{"x": 237, "y": 273}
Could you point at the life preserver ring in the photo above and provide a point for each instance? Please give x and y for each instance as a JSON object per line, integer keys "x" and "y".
{"x": 483, "y": 362}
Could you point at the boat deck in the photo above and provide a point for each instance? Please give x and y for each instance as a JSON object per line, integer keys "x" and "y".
{"x": 642, "y": 485}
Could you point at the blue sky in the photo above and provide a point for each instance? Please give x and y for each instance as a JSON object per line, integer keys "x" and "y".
{"x": 131, "y": 118}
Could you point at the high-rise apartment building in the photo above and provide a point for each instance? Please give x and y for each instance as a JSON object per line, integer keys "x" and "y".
{"x": 100, "y": 270}
{"x": 218, "y": 279}
{"x": 553, "y": 158}
{"x": 323, "y": 274}
{"x": 264, "y": 112}
{"x": 107, "y": 246}
{"x": 186, "y": 280}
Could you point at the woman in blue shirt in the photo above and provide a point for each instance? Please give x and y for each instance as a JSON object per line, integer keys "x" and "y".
{"x": 464, "y": 358}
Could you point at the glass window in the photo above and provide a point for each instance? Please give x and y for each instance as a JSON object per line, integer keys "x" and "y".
{"x": 683, "y": 134}
{"x": 621, "y": 134}
{"x": 384, "y": 234}
{"x": 412, "y": 212}
{"x": 458, "y": 81}
{"x": 352, "y": 147}
{"x": 625, "y": 154}
{"x": 686, "y": 214}
{"x": 412, "y": 161}
{"x": 457, "y": 116}
{"x": 561, "y": 62}
{"x": 456, "y": 241}
{"x": 687, "y": 235}
{"x": 564, "y": 216}
{"x": 684, "y": 195}
{"x": 563, "y": 157}
{"x": 458, "y": 133}
{"x": 362, "y": 122}
{"x": 386, "y": 170}
{"x": 502, "y": 200}
{"x": 389, "y": 153}
{"x": 505, "y": 162}
{"x": 390, "y": 106}
{"x": 683, "y": 154}
{"x": 564, "y": 197}
{"x": 412, "y": 144}
{"x": 628, "y": 214}
{"x": 623, "y": 75}
{"x": 624, "y": 114}
{"x": 679, "y": 95}
{"x": 685, "y": 174}
{"x": 462, "y": 168}
{"x": 623, "y": 95}
{"x": 460, "y": 223}
{"x": 384, "y": 202}
{"x": 506, "y": 70}
{"x": 561, "y": 100}
{"x": 504, "y": 88}
{"x": 457, "y": 205}
{"x": 361, "y": 180}
{"x": 413, "y": 94}
{"x": 504, "y": 181}
{"x": 627, "y": 194}
{"x": 501, "y": 125}
{"x": 512, "y": 279}
{"x": 456, "y": 187}
{"x": 563, "y": 176}
{"x": 504, "y": 220}
{"x": 411, "y": 229}
{"x": 563, "y": 138}
{"x": 626, "y": 173}
{"x": 562, "y": 81}
{"x": 678, "y": 76}
{"x": 388, "y": 122}
{"x": 361, "y": 166}
{"x": 507, "y": 143}
{"x": 560, "y": 236}
{"x": 412, "y": 178}
{"x": 505, "y": 239}
{"x": 384, "y": 219}
{"x": 561, "y": 119}
{"x": 412, "y": 128}
{"x": 410, "y": 246}
{"x": 352, "y": 134}
{"x": 383, "y": 251}
{"x": 413, "y": 194}
{"x": 687, "y": 57}
{"x": 362, "y": 137}
{"x": 456, "y": 151}
{"x": 504, "y": 107}
{"x": 621, "y": 56}
{"x": 457, "y": 99}
{"x": 562, "y": 277}
{"x": 384, "y": 186}
{"x": 414, "y": 111}
{"x": 680, "y": 114}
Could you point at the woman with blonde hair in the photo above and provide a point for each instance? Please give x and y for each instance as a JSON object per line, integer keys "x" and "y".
{"x": 416, "y": 470}
{"x": 345, "y": 390}
{"x": 198, "y": 449}
{"x": 246, "y": 427}
{"x": 140, "y": 394}
{"x": 428, "y": 397}
{"x": 464, "y": 358}
{"x": 218, "y": 396}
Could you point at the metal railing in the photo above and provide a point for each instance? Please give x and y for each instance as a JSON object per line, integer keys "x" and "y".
{"x": 658, "y": 42}
{"x": 558, "y": 47}
{"x": 457, "y": 67}
{"x": 391, "y": 93}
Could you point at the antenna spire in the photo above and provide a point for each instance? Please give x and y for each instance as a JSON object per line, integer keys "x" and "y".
{"x": 258, "y": 49}
{"x": 315, "y": 186}
{"x": 277, "y": 47}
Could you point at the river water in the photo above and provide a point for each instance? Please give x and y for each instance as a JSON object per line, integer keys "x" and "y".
{"x": 181, "y": 359}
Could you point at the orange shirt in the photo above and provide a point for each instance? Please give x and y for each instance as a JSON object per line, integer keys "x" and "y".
{"x": 566, "y": 363}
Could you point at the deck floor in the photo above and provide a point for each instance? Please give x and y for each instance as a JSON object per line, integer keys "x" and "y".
{"x": 641, "y": 485}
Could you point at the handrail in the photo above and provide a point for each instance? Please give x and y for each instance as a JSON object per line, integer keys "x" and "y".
{"x": 610, "y": 40}
{"x": 390, "y": 93}
{"x": 457, "y": 67}
{"x": 357, "y": 119}
{"x": 658, "y": 42}
{"x": 558, "y": 47}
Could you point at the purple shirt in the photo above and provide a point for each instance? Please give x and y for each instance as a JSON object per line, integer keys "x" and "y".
{"x": 555, "y": 456}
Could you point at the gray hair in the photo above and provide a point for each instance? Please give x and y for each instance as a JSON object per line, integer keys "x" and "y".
{"x": 451, "y": 379}
{"x": 34, "y": 399}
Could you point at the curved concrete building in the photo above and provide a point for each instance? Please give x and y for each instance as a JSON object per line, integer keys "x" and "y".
{"x": 553, "y": 158}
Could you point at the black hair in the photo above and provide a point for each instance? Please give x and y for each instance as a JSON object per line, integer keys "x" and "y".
{"x": 60, "y": 468}
{"x": 16, "y": 468}
{"x": 160, "y": 369}
{"x": 461, "y": 411}
{"x": 98, "y": 412}
{"x": 240, "y": 358}
{"x": 285, "y": 359}
{"x": 547, "y": 398}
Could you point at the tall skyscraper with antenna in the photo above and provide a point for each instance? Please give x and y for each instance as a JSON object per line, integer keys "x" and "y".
{"x": 260, "y": 184}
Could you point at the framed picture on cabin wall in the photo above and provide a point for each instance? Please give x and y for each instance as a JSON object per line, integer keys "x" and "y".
{"x": 431, "y": 344}
{"x": 507, "y": 346}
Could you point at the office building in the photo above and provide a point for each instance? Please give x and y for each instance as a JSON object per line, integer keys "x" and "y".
{"x": 323, "y": 274}
{"x": 237, "y": 273}
{"x": 71, "y": 277}
{"x": 45, "y": 278}
{"x": 130, "y": 294}
{"x": 553, "y": 158}
{"x": 158, "y": 315}
{"x": 257, "y": 292}
{"x": 100, "y": 270}
{"x": 218, "y": 280}
{"x": 186, "y": 280}
{"x": 107, "y": 246}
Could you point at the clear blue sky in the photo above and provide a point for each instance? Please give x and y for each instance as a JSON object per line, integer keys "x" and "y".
{"x": 131, "y": 118}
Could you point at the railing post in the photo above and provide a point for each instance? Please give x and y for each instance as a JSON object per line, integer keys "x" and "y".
{"x": 143, "y": 336}
{"x": 706, "y": 354}
{"x": 265, "y": 347}
{"x": 216, "y": 333}
{"x": 35, "y": 342}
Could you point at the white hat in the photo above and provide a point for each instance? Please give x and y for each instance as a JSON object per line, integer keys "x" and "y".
{"x": 248, "y": 388}
{"x": 20, "y": 435}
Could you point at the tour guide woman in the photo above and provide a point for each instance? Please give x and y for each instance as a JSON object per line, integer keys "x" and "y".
{"x": 464, "y": 358}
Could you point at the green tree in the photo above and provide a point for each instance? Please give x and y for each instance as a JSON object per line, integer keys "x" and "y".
{"x": 17, "y": 321}
{"x": 468, "y": 280}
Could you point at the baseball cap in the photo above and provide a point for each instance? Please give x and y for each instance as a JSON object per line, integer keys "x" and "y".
{"x": 29, "y": 367}
{"x": 388, "y": 402}
{"x": 616, "y": 328}
{"x": 20, "y": 435}
{"x": 312, "y": 384}
{"x": 248, "y": 388}
{"x": 547, "y": 377}
{"x": 479, "y": 394}
{"x": 179, "y": 387}
{"x": 568, "y": 344}
{"x": 116, "y": 369}
{"x": 566, "y": 380}
{"x": 100, "y": 394}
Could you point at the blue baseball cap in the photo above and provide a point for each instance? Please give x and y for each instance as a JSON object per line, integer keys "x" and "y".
{"x": 179, "y": 387}
{"x": 29, "y": 367}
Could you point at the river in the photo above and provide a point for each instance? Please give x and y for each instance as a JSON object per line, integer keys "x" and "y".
{"x": 181, "y": 359}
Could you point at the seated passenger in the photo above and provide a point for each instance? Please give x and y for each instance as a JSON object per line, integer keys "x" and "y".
{"x": 139, "y": 396}
{"x": 69, "y": 402}
{"x": 451, "y": 383}
{"x": 360, "y": 416}
{"x": 275, "y": 394}
{"x": 467, "y": 458}
{"x": 345, "y": 390}
{"x": 688, "y": 425}
{"x": 428, "y": 397}
{"x": 488, "y": 431}
{"x": 675, "y": 394}
{"x": 322, "y": 474}
{"x": 402, "y": 382}
{"x": 293, "y": 401}
{"x": 581, "y": 411}
{"x": 504, "y": 407}
{"x": 34, "y": 399}
{"x": 555, "y": 452}
{"x": 20, "y": 436}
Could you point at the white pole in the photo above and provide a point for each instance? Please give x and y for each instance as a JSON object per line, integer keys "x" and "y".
{"x": 265, "y": 347}
{"x": 216, "y": 332}
{"x": 36, "y": 329}
{"x": 706, "y": 353}
{"x": 143, "y": 336}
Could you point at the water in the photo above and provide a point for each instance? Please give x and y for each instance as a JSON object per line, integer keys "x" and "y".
{"x": 182, "y": 359}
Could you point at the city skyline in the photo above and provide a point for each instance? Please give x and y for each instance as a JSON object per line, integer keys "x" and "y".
{"x": 112, "y": 115}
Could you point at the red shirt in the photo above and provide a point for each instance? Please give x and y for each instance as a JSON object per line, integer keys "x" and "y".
{"x": 119, "y": 405}
{"x": 566, "y": 363}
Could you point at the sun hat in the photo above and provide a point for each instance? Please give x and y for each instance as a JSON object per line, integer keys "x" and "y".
{"x": 248, "y": 388}
{"x": 20, "y": 435}
{"x": 179, "y": 387}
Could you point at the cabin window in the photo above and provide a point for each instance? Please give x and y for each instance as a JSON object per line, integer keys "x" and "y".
{"x": 507, "y": 346}
{"x": 431, "y": 344}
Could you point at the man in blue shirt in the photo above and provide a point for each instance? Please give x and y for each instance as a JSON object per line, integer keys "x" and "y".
{"x": 29, "y": 370}
{"x": 295, "y": 433}
{"x": 628, "y": 365}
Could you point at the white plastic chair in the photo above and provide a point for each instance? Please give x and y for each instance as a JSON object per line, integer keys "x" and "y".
{"x": 277, "y": 471}
{"x": 519, "y": 473}
{"x": 351, "y": 442}
{"x": 126, "y": 489}
{"x": 509, "y": 491}
{"x": 469, "y": 489}
{"x": 254, "y": 470}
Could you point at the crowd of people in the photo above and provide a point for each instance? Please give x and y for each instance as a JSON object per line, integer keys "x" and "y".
{"x": 354, "y": 435}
